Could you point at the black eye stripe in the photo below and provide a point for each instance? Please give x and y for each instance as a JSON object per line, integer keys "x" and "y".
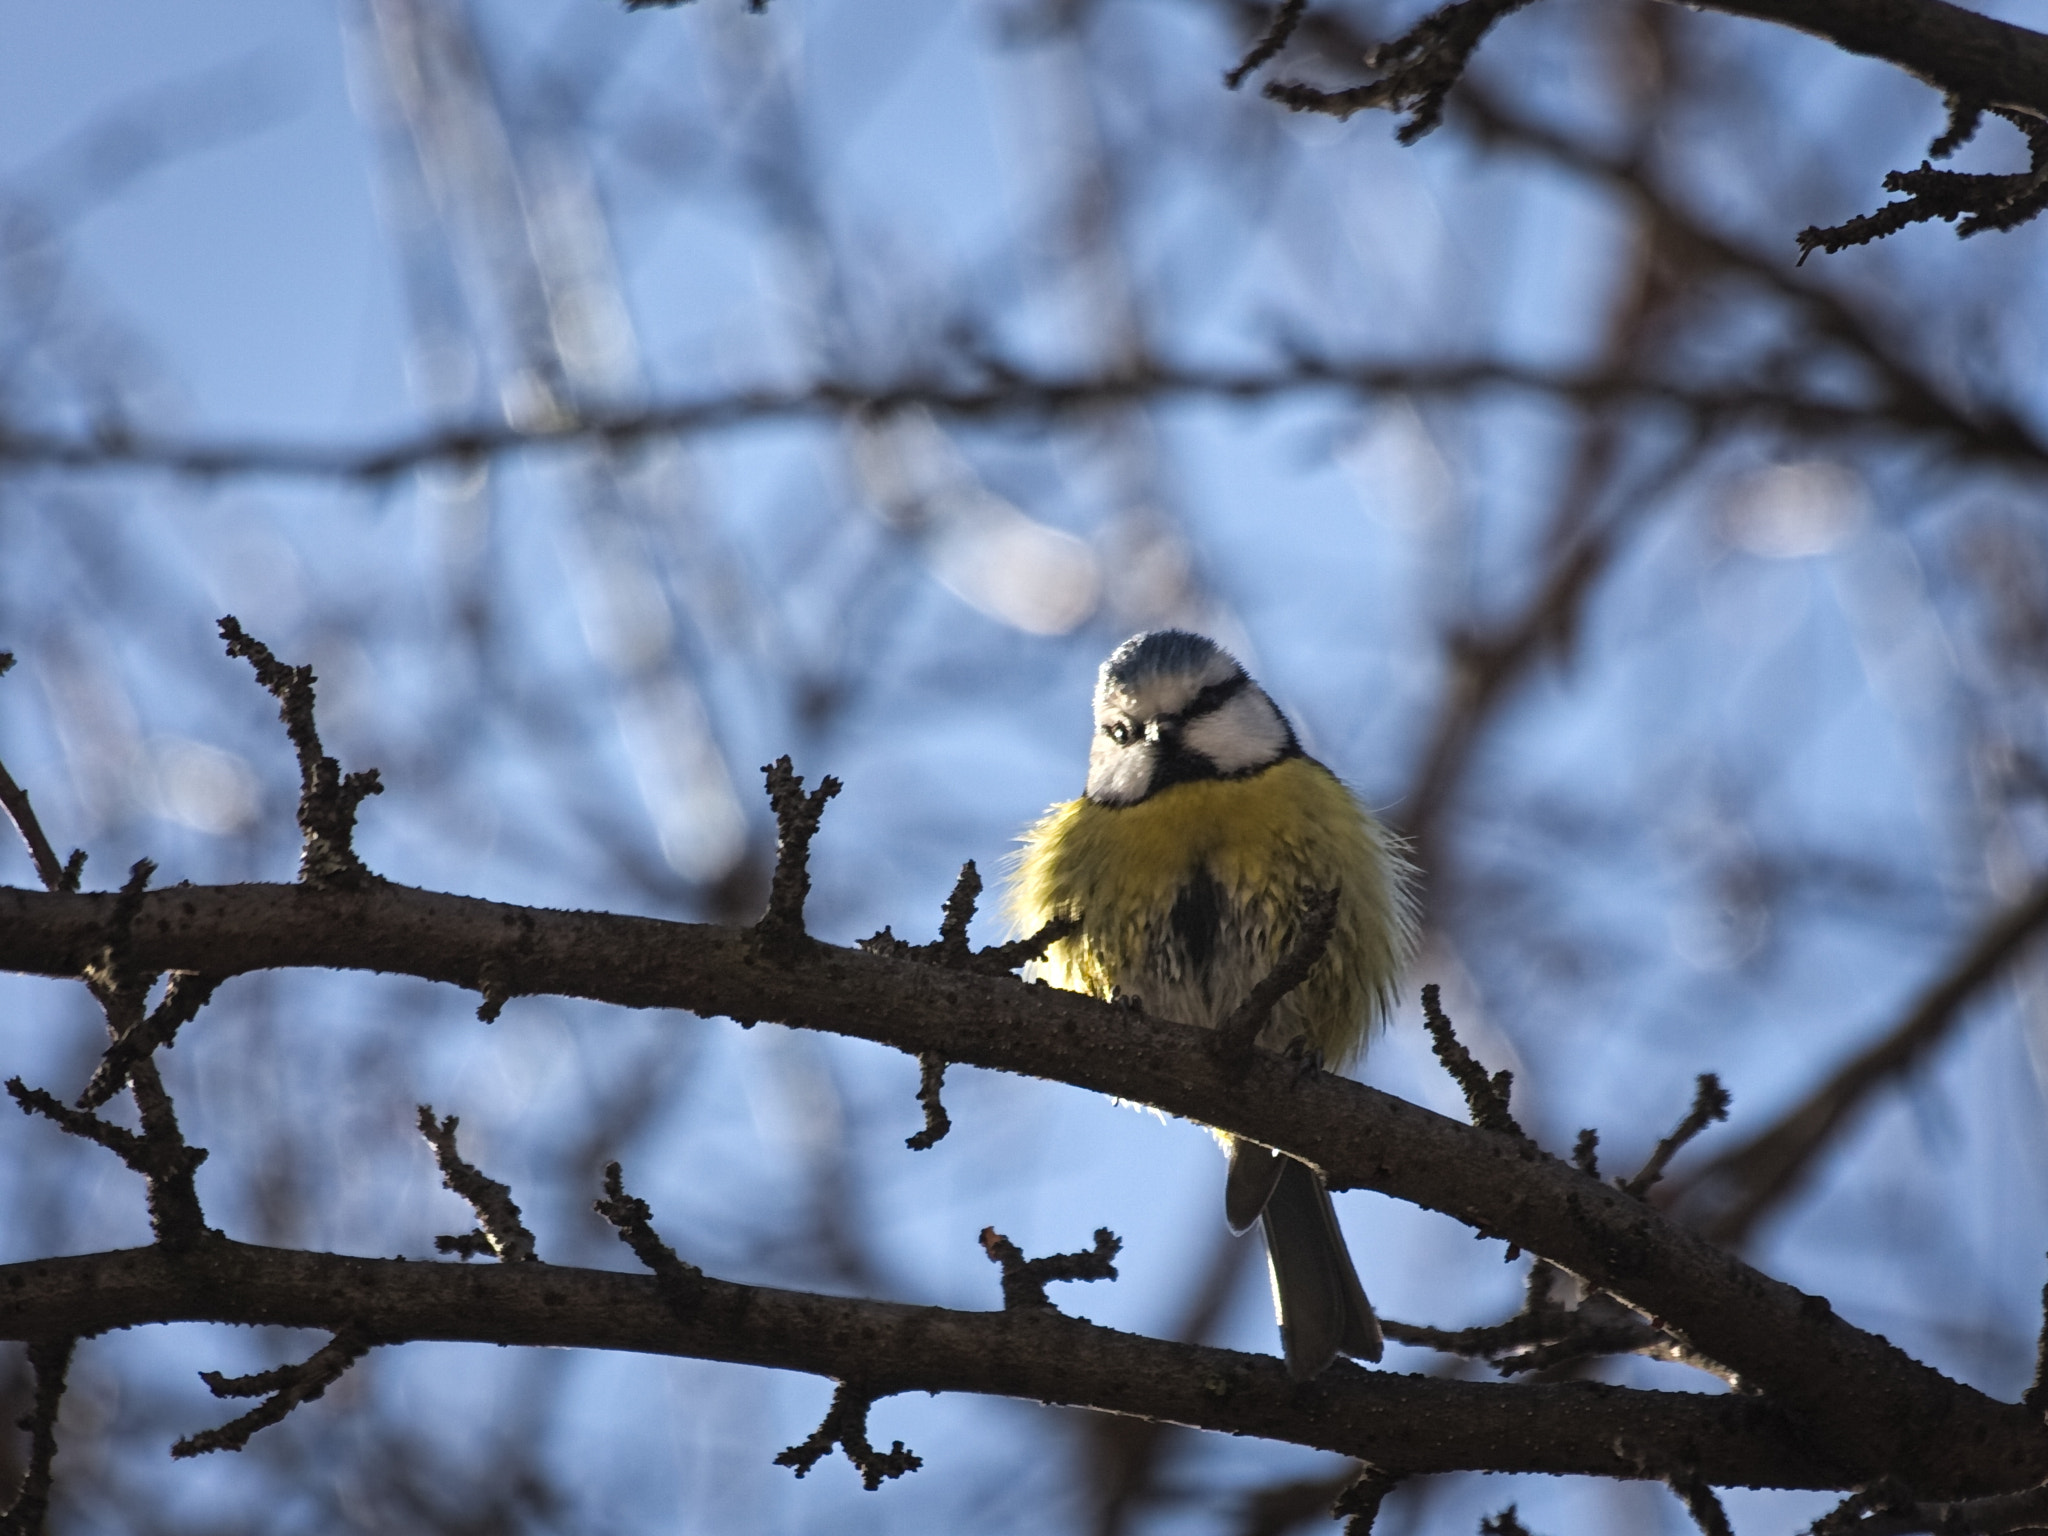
{"x": 1215, "y": 696}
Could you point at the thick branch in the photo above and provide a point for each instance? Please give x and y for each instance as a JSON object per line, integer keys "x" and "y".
{"x": 1958, "y": 52}
{"x": 1036, "y": 1353}
{"x": 1861, "y": 1400}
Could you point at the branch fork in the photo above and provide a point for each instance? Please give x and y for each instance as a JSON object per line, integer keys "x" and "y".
{"x": 1025, "y": 1280}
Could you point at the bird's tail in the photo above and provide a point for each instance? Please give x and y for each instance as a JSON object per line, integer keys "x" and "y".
{"x": 1322, "y": 1307}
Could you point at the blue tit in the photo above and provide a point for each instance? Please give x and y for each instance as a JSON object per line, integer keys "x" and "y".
{"x": 1186, "y": 862}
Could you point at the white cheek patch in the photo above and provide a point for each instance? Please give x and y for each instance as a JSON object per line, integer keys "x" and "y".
{"x": 1119, "y": 775}
{"x": 1246, "y": 733}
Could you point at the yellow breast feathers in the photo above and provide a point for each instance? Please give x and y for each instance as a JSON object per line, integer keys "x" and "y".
{"x": 1188, "y": 897}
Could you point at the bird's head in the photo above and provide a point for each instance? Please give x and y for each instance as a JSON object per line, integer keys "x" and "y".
{"x": 1171, "y": 707}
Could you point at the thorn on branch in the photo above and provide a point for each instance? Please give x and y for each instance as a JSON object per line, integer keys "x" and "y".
{"x": 1238, "y": 1035}
{"x": 931, "y": 1080}
{"x": 1586, "y": 1153}
{"x": 55, "y": 877}
{"x": 1025, "y": 1280}
{"x": 328, "y": 799}
{"x": 1982, "y": 202}
{"x": 1486, "y": 1098}
{"x": 282, "y": 1389}
{"x": 1270, "y": 42}
{"x": 846, "y": 1426}
{"x": 1358, "y": 1506}
{"x": 1417, "y": 69}
{"x": 796, "y": 823}
{"x": 681, "y": 1283}
{"x": 497, "y": 1217}
{"x": 188, "y": 992}
{"x": 1709, "y": 1103}
{"x": 50, "y": 1359}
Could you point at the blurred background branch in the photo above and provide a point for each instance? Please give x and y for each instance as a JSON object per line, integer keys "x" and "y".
{"x": 607, "y": 404}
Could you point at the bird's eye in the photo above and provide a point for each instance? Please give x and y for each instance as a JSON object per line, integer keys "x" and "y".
{"x": 1118, "y": 732}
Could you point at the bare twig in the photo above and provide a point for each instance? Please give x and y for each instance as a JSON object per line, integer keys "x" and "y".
{"x": 159, "y": 1154}
{"x": 958, "y": 913}
{"x": 1685, "y": 1482}
{"x": 1734, "y": 1191}
{"x": 282, "y": 1390}
{"x": 55, "y": 876}
{"x": 1709, "y": 1104}
{"x": 1238, "y": 1035}
{"x": 1358, "y": 1506}
{"x": 187, "y": 993}
{"x": 1701, "y": 1502}
{"x": 1982, "y": 202}
{"x": 1417, "y": 69}
{"x": 1025, "y": 1280}
{"x": 1269, "y": 43}
{"x": 846, "y": 1426}
{"x": 1001, "y": 959}
{"x": 51, "y": 1361}
{"x": 682, "y": 1283}
{"x": 1486, "y": 1098}
{"x": 1965, "y": 113}
{"x": 496, "y": 1215}
{"x": 995, "y": 960}
{"x": 328, "y": 800}
{"x": 796, "y": 823}
{"x": 931, "y": 1080}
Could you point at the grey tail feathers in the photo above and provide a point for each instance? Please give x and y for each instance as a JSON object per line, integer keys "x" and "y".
{"x": 1322, "y": 1307}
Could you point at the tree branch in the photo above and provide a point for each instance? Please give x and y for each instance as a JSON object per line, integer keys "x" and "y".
{"x": 328, "y": 799}
{"x": 1416, "y": 1423}
{"x": 1859, "y": 1399}
{"x": 50, "y": 1359}
{"x": 1020, "y": 397}
{"x": 282, "y": 1390}
{"x": 504, "y": 1234}
{"x": 1735, "y": 1191}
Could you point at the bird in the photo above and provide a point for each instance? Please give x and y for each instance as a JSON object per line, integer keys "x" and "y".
{"x": 1187, "y": 862}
